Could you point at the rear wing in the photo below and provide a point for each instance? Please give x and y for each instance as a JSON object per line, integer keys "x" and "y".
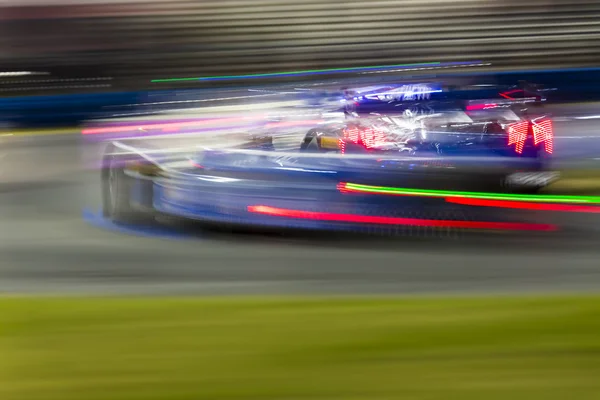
{"x": 484, "y": 104}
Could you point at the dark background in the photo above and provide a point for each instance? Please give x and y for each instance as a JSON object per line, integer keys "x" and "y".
{"x": 139, "y": 41}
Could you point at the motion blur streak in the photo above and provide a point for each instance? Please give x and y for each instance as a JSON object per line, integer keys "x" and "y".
{"x": 377, "y": 68}
{"x": 393, "y": 191}
{"x": 522, "y": 205}
{"x": 378, "y": 220}
{"x": 163, "y": 126}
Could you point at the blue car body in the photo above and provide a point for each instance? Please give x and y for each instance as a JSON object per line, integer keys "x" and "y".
{"x": 257, "y": 184}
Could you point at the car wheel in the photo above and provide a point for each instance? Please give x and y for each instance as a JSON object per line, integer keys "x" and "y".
{"x": 116, "y": 194}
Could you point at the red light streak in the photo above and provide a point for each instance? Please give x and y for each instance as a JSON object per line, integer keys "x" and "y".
{"x": 168, "y": 127}
{"x": 175, "y": 126}
{"x": 194, "y": 164}
{"x": 380, "y": 220}
{"x": 473, "y": 107}
{"x": 506, "y": 94}
{"x": 521, "y": 205}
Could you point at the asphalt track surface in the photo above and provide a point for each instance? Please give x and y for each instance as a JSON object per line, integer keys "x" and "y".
{"x": 49, "y": 243}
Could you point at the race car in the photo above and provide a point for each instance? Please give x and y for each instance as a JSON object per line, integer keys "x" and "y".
{"x": 379, "y": 170}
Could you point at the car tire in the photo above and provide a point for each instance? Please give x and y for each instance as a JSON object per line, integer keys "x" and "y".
{"x": 116, "y": 194}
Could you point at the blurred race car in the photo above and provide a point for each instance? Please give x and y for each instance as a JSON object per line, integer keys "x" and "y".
{"x": 377, "y": 169}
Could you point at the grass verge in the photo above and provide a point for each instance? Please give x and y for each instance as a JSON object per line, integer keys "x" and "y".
{"x": 583, "y": 181}
{"x": 250, "y": 348}
{"x": 41, "y": 132}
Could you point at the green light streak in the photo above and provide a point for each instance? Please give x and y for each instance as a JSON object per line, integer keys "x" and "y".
{"x": 308, "y": 71}
{"x": 473, "y": 195}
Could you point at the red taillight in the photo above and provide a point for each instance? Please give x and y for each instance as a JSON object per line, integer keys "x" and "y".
{"x": 369, "y": 137}
{"x": 517, "y": 134}
{"x": 543, "y": 133}
{"x": 372, "y": 137}
{"x": 351, "y": 135}
{"x": 541, "y": 130}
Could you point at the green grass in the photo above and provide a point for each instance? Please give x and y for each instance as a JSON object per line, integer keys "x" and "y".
{"x": 41, "y": 131}
{"x": 327, "y": 348}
